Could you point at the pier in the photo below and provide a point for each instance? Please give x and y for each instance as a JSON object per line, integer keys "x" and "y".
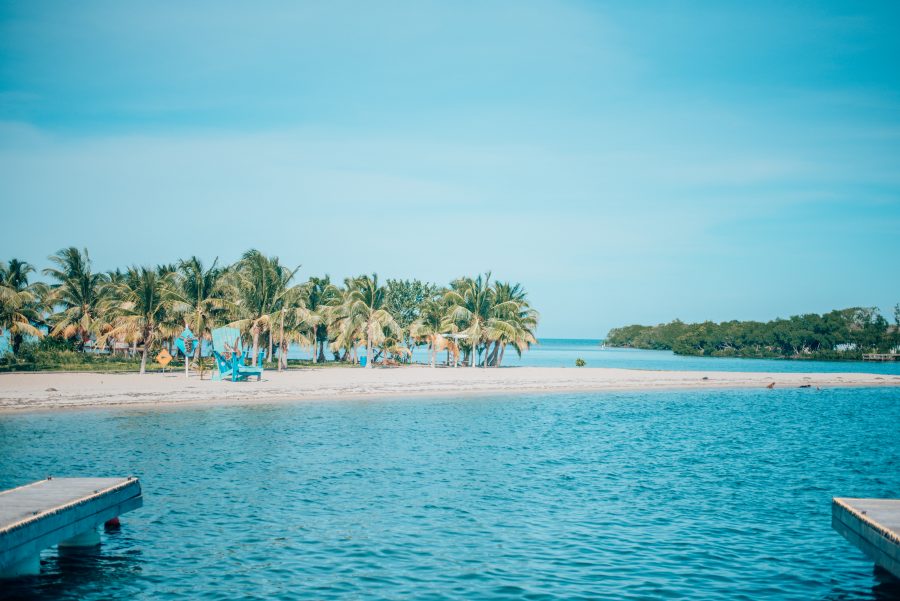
{"x": 58, "y": 511}
{"x": 879, "y": 357}
{"x": 873, "y": 525}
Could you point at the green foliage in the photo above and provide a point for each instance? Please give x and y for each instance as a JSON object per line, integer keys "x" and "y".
{"x": 20, "y": 303}
{"x": 75, "y": 296}
{"x": 59, "y": 354}
{"x": 579, "y": 362}
{"x": 811, "y": 336}
{"x": 661, "y": 337}
{"x": 405, "y": 299}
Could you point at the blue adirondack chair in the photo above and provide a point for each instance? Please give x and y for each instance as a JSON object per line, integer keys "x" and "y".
{"x": 229, "y": 354}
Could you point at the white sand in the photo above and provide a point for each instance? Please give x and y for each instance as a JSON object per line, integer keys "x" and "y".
{"x": 41, "y": 391}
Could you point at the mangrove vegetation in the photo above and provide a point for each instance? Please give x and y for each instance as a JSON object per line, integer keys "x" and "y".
{"x": 841, "y": 334}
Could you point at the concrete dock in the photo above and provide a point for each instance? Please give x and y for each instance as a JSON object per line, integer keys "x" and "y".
{"x": 873, "y": 525}
{"x": 58, "y": 511}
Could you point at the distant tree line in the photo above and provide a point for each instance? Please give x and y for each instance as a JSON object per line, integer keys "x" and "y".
{"x": 839, "y": 334}
{"x": 141, "y": 309}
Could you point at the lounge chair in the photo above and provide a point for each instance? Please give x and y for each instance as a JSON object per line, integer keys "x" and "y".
{"x": 229, "y": 355}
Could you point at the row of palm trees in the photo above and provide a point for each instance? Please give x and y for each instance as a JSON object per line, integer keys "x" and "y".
{"x": 143, "y": 308}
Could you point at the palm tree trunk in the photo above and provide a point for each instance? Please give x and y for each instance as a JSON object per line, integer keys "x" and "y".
{"x": 271, "y": 347}
{"x": 198, "y": 354}
{"x": 254, "y": 331}
{"x": 199, "y": 334}
{"x": 315, "y": 346}
{"x": 487, "y": 355}
{"x": 433, "y": 354}
{"x": 369, "y": 337}
{"x": 494, "y": 352}
{"x": 148, "y": 330}
{"x": 500, "y": 358}
{"x": 282, "y": 359}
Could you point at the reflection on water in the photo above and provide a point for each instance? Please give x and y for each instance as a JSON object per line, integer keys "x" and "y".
{"x": 81, "y": 573}
{"x": 691, "y": 495}
{"x": 887, "y": 587}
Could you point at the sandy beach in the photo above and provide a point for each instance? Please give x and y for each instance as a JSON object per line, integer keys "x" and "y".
{"x": 52, "y": 391}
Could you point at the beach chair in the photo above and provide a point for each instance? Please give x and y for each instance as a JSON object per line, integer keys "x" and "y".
{"x": 229, "y": 354}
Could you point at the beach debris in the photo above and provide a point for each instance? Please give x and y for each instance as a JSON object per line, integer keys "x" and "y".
{"x": 772, "y": 385}
{"x": 51, "y": 390}
{"x": 806, "y": 386}
{"x": 706, "y": 377}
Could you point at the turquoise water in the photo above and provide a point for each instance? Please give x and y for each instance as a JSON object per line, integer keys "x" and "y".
{"x": 674, "y": 495}
{"x": 562, "y": 352}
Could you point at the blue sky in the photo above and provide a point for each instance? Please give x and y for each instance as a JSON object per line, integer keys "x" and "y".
{"x": 627, "y": 162}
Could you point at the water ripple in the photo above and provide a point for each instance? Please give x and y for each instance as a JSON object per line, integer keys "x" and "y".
{"x": 664, "y": 495}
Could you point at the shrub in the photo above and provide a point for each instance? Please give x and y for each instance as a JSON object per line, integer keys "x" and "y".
{"x": 579, "y": 362}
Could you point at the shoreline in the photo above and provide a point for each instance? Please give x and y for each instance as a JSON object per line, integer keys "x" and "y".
{"x": 33, "y": 392}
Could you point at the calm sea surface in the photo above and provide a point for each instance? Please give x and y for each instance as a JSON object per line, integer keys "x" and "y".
{"x": 562, "y": 352}
{"x": 676, "y": 495}
{"x": 558, "y": 352}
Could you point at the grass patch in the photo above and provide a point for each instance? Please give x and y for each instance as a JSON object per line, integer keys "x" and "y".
{"x": 53, "y": 355}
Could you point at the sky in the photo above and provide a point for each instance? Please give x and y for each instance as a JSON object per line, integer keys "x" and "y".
{"x": 626, "y": 162}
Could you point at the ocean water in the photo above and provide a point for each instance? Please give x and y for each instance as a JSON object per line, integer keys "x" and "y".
{"x": 562, "y": 352}
{"x": 663, "y": 495}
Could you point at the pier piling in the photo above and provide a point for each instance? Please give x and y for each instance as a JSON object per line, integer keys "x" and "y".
{"x": 58, "y": 511}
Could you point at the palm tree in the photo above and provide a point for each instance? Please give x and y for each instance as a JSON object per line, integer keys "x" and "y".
{"x": 142, "y": 308}
{"x": 201, "y": 294}
{"x": 511, "y": 305}
{"x": 343, "y": 334}
{"x": 365, "y": 312}
{"x": 294, "y": 328}
{"x": 429, "y": 326}
{"x": 258, "y": 286}
{"x": 295, "y": 322}
{"x": 320, "y": 295}
{"x": 78, "y": 291}
{"x": 20, "y": 307}
{"x": 476, "y": 311}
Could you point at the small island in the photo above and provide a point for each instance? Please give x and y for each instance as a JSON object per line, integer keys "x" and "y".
{"x": 844, "y": 334}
